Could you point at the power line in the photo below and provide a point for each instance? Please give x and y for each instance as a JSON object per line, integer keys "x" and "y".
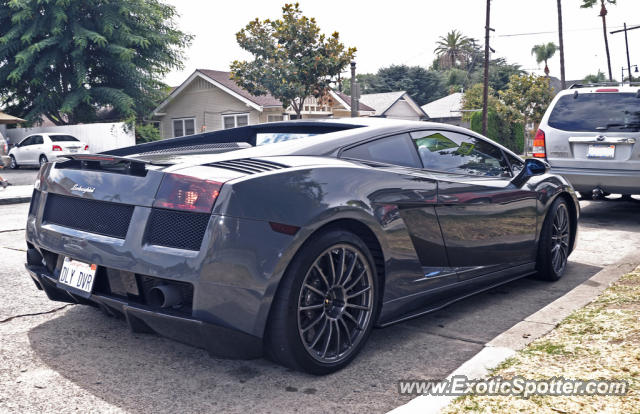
{"x": 553, "y": 32}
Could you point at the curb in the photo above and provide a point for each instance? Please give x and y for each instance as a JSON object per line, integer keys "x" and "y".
{"x": 15, "y": 200}
{"x": 523, "y": 333}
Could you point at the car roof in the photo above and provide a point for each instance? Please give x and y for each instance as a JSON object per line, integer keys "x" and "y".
{"x": 613, "y": 88}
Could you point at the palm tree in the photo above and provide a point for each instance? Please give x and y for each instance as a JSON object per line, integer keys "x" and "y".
{"x": 544, "y": 53}
{"x": 603, "y": 13}
{"x": 454, "y": 49}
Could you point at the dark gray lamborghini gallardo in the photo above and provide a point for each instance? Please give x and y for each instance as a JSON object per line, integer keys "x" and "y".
{"x": 293, "y": 239}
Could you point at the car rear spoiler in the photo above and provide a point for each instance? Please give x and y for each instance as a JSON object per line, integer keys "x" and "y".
{"x": 123, "y": 165}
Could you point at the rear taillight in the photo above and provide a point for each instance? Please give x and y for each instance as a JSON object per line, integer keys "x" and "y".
{"x": 181, "y": 192}
{"x": 539, "y": 149}
{"x": 6, "y": 148}
{"x": 56, "y": 148}
{"x": 86, "y": 148}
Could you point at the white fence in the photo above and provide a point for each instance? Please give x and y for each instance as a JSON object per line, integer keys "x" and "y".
{"x": 99, "y": 137}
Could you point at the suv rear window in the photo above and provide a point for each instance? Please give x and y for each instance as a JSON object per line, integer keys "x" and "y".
{"x": 591, "y": 112}
{"x": 62, "y": 138}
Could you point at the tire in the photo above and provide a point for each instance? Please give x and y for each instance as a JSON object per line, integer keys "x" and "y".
{"x": 43, "y": 160}
{"x": 13, "y": 164}
{"x": 319, "y": 322}
{"x": 555, "y": 239}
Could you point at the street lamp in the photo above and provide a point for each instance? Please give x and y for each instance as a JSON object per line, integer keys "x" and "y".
{"x": 630, "y": 77}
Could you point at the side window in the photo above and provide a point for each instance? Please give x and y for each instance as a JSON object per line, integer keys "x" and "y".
{"x": 516, "y": 164}
{"x": 396, "y": 150}
{"x": 26, "y": 142}
{"x": 37, "y": 140}
{"x": 452, "y": 152}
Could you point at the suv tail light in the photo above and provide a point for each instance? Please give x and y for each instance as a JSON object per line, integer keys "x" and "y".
{"x": 56, "y": 148}
{"x": 539, "y": 150}
{"x": 86, "y": 148}
{"x": 182, "y": 192}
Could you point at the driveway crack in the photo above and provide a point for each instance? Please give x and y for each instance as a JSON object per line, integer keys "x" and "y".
{"x": 36, "y": 314}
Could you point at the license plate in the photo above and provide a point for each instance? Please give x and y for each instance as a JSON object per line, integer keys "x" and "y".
{"x": 73, "y": 150}
{"x": 78, "y": 275}
{"x": 601, "y": 151}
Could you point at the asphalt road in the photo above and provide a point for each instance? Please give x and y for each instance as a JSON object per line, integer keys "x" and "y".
{"x": 21, "y": 176}
{"x": 69, "y": 358}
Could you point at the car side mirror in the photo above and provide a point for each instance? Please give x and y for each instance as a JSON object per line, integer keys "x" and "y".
{"x": 532, "y": 167}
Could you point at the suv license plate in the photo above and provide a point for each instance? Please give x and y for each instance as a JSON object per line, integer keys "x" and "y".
{"x": 602, "y": 151}
{"x": 78, "y": 275}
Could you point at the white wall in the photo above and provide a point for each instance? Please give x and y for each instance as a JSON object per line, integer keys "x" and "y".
{"x": 99, "y": 137}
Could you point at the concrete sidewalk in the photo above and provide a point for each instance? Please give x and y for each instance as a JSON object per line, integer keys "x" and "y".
{"x": 16, "y": 194}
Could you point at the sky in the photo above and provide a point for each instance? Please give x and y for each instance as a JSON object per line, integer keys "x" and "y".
{"x": 406, "y": 31}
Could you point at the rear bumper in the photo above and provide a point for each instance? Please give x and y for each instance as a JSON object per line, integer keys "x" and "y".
{"x": 611, "y": 181}
{"x": 218, "y": 340}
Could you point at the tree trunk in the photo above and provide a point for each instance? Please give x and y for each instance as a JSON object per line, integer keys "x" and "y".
{"x": 603, "y": 14}
{"x": 562, "y": 77}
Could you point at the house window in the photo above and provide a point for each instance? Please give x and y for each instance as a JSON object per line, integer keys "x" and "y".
{"x": 184, "y": 126}
{"x": 274, "y": 118}
{"x": 235, "y": 120}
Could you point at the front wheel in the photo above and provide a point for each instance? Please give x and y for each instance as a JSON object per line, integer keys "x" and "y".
{"x": 13, "y": 164}
{"x": 325, "y": 307}
{"x": 43, "y": 160}
{"x": 555, "y": 239}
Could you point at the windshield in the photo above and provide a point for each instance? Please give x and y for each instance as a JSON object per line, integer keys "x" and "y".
{"x": 592, "y": 112}
{"x": 62, "y": 138}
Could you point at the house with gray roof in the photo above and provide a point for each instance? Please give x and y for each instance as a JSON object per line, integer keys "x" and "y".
{"x": 396, "y": 105}
{"x": 447, "y": 110}
{"x": 210, "y": 100}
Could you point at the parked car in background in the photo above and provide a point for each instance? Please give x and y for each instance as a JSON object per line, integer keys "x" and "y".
{"x": 590, "y": 135}
{"x": 4, "y": 152}
{"x": 295, "y": 249}
{"x": 38, "y": 149}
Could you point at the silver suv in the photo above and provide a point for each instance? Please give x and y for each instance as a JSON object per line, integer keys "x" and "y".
{"x": 591, "y": 136}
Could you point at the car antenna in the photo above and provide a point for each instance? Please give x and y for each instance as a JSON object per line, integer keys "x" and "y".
{"x": 575, "y": 94}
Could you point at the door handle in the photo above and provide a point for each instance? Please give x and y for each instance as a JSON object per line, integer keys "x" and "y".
{"x": 448, "y": 198}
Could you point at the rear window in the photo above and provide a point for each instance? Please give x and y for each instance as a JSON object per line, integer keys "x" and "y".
{"x": 62, "y": 138}
{"x": 590, "y": 112}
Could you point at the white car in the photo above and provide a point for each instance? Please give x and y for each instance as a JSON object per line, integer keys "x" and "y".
{"x": 38, "y": 149}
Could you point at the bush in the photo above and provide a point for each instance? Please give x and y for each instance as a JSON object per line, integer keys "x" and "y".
{"x": 500, "y": 131}
{"x": 147, "y": 133}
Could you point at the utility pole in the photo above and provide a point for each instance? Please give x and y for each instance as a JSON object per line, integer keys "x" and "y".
{"x": 485, "y": 92}
{"x": 626, "y": 41}
{"x": 562, "y": 77}
{"x": 354, "y": 91}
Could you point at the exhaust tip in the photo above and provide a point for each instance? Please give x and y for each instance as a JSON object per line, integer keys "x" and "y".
{"x": 164, "y": 296}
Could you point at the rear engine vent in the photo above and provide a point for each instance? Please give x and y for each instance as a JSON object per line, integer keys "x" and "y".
{"x": 178, "y": 229}
{"x": 100, "y": 217}
{"x": 35, "y": 200}
{"x": 248, "y": 165}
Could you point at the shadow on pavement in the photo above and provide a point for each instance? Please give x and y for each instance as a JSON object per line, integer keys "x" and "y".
{"x": 147, "y": 373}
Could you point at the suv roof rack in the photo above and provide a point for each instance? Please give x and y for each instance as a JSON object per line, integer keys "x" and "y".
{"x": 594, "y": 85}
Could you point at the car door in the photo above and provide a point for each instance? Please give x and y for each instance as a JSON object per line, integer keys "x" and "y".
{"x": 36, "y": 149}
{"x": 22, "y": 151}
{"x": 488, "y": 223}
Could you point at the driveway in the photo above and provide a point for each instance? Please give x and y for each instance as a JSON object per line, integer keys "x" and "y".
{"x": 21, "y": 176}
{"x": 67, "y": 358}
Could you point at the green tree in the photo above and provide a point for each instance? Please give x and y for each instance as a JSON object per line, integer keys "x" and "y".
{"x": 597, "y": 78}
{"x": 543, "y": 53}
{"x": 526, "y": 99}
{"x": 292, "y": 59}
{"x": 454, "y": 50}
{"x": 586, "y": 4}
{"x": 421, "y": 84}
{"x": 67, "y": 58}
{"x": 472, "y": 101}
